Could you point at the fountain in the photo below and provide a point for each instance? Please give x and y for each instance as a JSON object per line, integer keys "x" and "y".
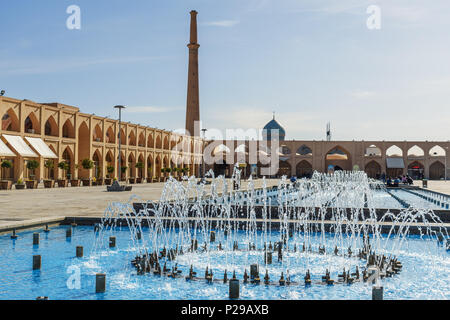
{"x": 332, "y": 219}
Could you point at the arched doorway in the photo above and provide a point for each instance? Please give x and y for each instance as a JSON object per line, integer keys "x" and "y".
{"x": 97, "y": 159}
{"x": 338, "y": 159}
{"x": 303, "y": 169}
{"x": 84, "y": 142}
{"x": 67, "y": 157}
{"x": 373, "y": 170}
{"x": 437, "y": 171}
{"x": 131, "y": 166}
{"x": 149, "y": 168}
{"x": 285, "y": 169}
{"x": 109, "y": 164}
{"x": 415, "y": 170}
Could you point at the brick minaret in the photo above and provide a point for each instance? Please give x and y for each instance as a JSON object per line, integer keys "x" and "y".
{"x": 193, "y": 103}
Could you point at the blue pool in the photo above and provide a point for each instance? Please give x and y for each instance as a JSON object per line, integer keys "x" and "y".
{"x": 425, "y": 272}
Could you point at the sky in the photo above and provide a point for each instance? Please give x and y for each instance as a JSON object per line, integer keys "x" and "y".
{"x": 309, "y": 61}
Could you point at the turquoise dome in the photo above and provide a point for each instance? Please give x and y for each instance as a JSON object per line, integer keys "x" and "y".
{"x": 273, "y": 125}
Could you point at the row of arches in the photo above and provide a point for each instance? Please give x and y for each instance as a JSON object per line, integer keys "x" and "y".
{"x": 373, "y": 150}
{"x": 10, "y": 122}
{"x": 151, "y": 165}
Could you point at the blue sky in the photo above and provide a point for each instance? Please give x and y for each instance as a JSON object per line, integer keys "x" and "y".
{"x": 310, "y": 61}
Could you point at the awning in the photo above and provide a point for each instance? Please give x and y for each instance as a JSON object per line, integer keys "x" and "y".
{"x": 20, "y": 146}
{"x": 41, "y": 147}
{"x": 5, "y": 151}
{"x": 395, "y": 163}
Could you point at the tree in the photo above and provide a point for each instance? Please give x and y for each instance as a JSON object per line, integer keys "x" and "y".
{"x": 109, "y": 169}
{"x": 140, "y": 166}
{"x": 64, "y": 166}
{"x": 49, "y": 164}
{"x": 32, "y": 165}
{"x": 87, "y": 164}
{"x": 6, "y": 164}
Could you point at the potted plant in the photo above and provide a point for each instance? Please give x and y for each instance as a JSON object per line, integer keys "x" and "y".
{"x": 123, "y": 170}
{"x": 49, "y": 183}
{"x": 186, "y": 171}
{"x": 20, "y": 185}
{"x": 74, "y": 182}
{"x": 62, "y": 183}
{"x": 87, "y": 164}
{"x": 32, "y": 165}
{"x": 140, "y": 166}
{"x": 110, "y": 170}
{"x": 6, "y": 184}
{"x": 132, "y": 180}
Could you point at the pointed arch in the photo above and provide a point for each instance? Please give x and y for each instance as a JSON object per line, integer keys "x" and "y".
{"x": 10, "y": 121}
{"x": 68, "y": 129}
{"x": 132, "y": 138}
{"x": 285, "y": 169}
{"x": 122, "y": 137}
{"x": 158, "y": 167}
{"x": 373, "y": 169}
{"x": 132, "y": 165}
{"x": 51, "y": 127}
{"x": 98, "y": 164}
{"x": 338, "y": 158}
{"x": 437, "y": 171}
{"x": 150, "y": 141}
{"x": 141, "y": 142}
{"x": 304, "y": 150}
{"x": 166, "y": 143}
{"x": 304, "y": 169}
{"x": 69, "y": 158}
{"x": 32, "y": 124}
{"x": 373, "y": 151}
{"x": 150, "y": 168}
{"x": 158, "y": 142}
{"x": 110, "y": 136}
{"x": 415, "y": 151}
{"x": 84, "y": 142}
{"x": 416, "y": 170}
{"x": 394, "y": 151}
{"x": 437, "y": 151}
{"x": 97, "y": 134}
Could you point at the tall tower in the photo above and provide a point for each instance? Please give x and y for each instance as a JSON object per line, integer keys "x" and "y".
{"x": 193, "y": 103}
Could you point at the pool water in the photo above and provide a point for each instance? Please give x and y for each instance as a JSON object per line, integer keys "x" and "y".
{"x": 425, "y": 272}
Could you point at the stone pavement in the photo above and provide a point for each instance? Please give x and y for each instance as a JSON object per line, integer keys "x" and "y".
{"x": 18, "y": 206}
{"x": 438, "y": 186}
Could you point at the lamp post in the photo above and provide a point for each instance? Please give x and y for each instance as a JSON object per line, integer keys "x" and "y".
{"x": 120, "y": 144}
{"x": 203, "y": 151}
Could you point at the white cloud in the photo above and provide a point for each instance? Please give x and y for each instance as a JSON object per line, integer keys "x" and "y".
{"x": 222, "y": 23}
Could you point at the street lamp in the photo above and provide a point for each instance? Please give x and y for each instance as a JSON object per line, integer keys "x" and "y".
{"x": 120, "y": 144}
{"x": 203, "y": 156}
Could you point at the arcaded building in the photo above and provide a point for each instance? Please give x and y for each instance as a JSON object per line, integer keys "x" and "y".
{"x": 419, "y": 159}
{"x": 58, "y": 132}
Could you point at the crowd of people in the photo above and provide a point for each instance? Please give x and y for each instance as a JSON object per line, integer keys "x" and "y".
{"x": 394, "y": 182}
